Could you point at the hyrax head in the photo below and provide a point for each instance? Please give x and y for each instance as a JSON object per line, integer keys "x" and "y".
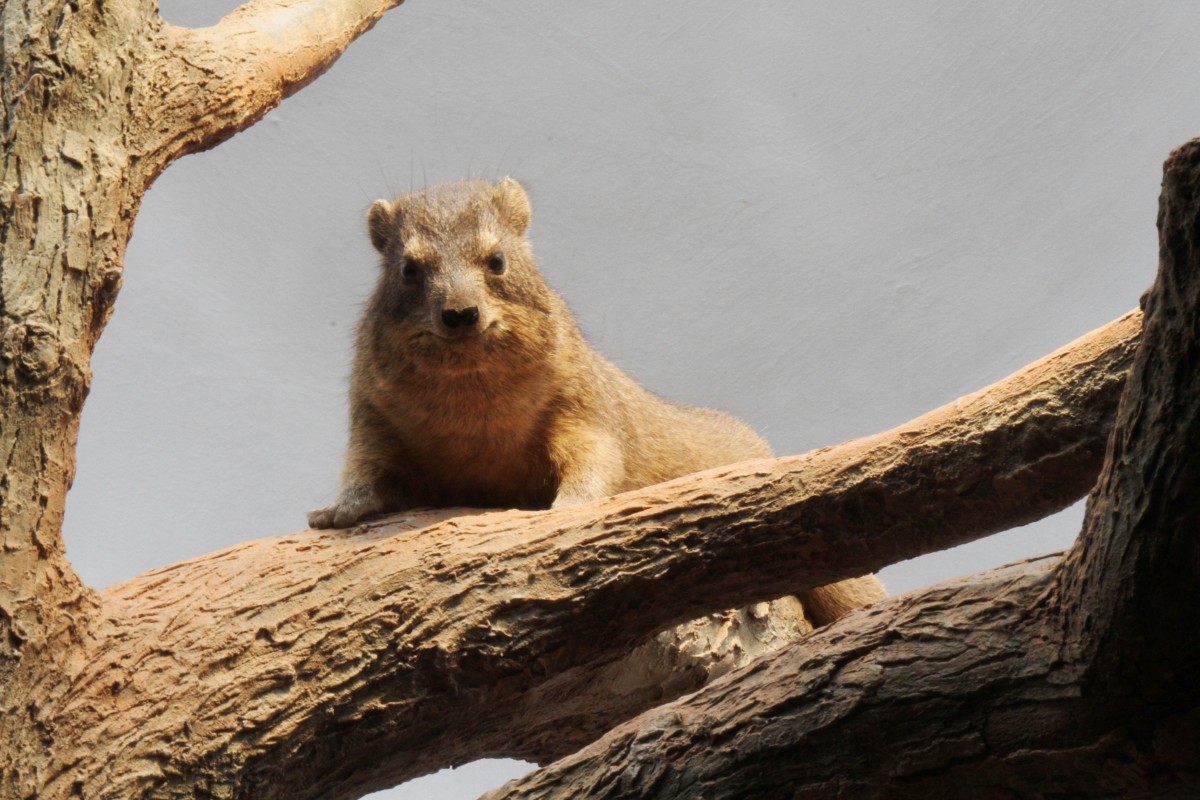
{"x": 456, "y": 265}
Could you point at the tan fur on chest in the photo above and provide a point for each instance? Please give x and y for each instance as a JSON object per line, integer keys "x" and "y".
{"x": 471, "y": 434}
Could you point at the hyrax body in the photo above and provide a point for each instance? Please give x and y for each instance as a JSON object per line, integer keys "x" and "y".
{"x": 472, "y": 384}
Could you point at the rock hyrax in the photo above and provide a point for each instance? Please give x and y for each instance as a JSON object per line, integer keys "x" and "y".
{"x": 473, "y": 386}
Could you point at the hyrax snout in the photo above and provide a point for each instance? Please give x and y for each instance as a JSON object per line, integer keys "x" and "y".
{"x": 472, "y": 384}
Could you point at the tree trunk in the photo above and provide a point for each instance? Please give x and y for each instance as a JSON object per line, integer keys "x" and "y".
{"x": 330, "y": 665}
{"x": 98, "y": 98}
{"x": 68, "y": 200}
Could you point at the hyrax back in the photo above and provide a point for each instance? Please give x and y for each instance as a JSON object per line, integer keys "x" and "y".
{"x": 472, "y": 384}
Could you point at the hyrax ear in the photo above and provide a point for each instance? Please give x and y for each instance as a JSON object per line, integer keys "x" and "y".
{"x": 382, "y": 224}
{"x": 513, "y": 204}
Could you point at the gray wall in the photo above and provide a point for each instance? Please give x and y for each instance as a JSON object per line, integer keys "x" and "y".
{"x": 826, "y": 218}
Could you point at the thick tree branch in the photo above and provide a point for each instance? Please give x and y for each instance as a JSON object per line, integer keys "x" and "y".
{"x": 955, "y": 691}
{"x": 1075, "y": 680}
{"x": 851, "y": 710}
{"x": 312, "y": 664}
{"x": 418, "y": 643}
{"x": 202, "y": 86}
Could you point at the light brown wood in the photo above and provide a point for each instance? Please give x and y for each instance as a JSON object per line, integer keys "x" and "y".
{"x": 322, "y": 665}
{"x": 431, "y": 639}
{"x": 97, "y": 99}
{"x": 1063, "y": 678}
{"x": 879, "y": 704}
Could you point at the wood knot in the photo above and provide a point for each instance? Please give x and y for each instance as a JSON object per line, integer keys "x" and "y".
{"x": 40, "y": 367}
{"x": 31, "y": 347}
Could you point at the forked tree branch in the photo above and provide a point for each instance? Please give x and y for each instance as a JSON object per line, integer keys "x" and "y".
{"x": 315, "y": 664}
{"x": 201, "y": 86}
{"x": 1062, "y": 678}
{"x": 436, "y": 639}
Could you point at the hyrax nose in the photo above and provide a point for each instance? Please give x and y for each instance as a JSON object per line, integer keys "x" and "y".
{"x": 464, "y": 318}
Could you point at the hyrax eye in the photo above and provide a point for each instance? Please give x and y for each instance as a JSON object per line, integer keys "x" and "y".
{"x": 497, "y": 263}
{"x": 410, "y": 270}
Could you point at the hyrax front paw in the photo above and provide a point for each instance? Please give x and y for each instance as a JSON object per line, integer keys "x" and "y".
{"x": 353, "y": 505}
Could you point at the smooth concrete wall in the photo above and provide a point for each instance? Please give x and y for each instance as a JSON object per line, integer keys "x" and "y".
{"x": 826, "y": 218}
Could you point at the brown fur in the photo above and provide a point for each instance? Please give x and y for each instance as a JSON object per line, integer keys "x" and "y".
{"x": 516, "y": 410}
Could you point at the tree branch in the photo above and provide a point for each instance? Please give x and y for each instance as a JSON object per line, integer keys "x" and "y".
{"x": 1077, "y": 678}
{"x": 961, "y": 659}
{"x": 419, "y": 643}
{"x": 955, "y": 691}
{"x": 201, "y": 86}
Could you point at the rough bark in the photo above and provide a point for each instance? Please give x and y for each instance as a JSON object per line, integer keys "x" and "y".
{"x": 879, "y": 704}
{"x": 210, "y": 83}
{"x": 1130, "y": 589}
{"x": 97, "y": 101}
{"x": 65, "y": 207}
{"x": 325, "y": 664}
{"x": 1064, "y": 678}
{"x": 88, "y": 116}
{"x": 315, "y": 664}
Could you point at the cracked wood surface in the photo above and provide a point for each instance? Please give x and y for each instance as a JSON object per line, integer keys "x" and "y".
{"x": 88, "y": 118}
{"x": 431, "y": 639}
{"x": 312, "y": 663}
{"x": 880, "y": 703}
